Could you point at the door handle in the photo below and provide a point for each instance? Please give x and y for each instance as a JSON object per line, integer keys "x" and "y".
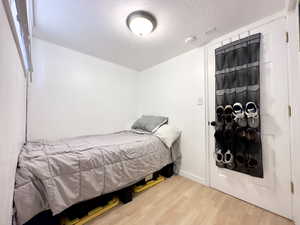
{"x": 212, "y": 123}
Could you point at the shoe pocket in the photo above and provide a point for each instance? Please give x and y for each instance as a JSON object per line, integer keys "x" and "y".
{"x": 241, "y": 95}
{"x": 230, "y": 57}
{"x": 253, "y": 51}
{"x": 253, "y": 75}
{"x": 229, "y": 80}
{"x": 240, "y": 159}
{"x": 229, "y": 96}
{"x": 242, "y": 54}
{"x": 219, "y": 81}
{"x": 219, "y": 136}
{"x": 241, "y": 77}
{"x": 253, "y": 93}
{"x": 220, "y": 60}
{"x": 220, "y": 97}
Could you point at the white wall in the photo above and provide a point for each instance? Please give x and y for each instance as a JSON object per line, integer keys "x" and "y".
{"x": 75, "y": 94}
{"x": 172, "y": 89}
{"x": 12, "y": 115}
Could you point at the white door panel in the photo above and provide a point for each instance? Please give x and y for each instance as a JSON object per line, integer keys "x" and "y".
{"x": 273, "y": 191}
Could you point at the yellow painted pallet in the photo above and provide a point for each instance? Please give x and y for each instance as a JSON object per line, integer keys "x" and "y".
{"x": 148, "y": 185}
{"x": 92, "y": 214}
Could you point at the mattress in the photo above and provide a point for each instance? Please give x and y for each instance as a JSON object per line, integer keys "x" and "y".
{"x": 58, "y": 174}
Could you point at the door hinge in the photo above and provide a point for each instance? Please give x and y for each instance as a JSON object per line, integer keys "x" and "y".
{"x": 292, "y": 187}
{"x": 287, "y": 37}
{"x": 290, "y": 110}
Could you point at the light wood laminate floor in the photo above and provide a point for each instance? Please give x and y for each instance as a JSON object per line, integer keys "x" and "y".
{"x": 180, "y": 201}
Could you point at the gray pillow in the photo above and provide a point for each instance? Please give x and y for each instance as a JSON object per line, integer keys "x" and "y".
{"x": 149, "y": 123}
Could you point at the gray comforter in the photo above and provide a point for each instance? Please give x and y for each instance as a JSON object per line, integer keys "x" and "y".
{"x": 56, "y": 175}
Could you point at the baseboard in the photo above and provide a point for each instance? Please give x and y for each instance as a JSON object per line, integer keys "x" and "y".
{"x": 193, "y": 177}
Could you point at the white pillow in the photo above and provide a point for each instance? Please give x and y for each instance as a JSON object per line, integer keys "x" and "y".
{"x": 168, "y": 134}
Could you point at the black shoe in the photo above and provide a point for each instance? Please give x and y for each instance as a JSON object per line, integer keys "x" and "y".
{"x": 219, "y": 112}
{"x": 252, "y": 135}
{"x": 240, "y": 146}
{"x": 228, "y": 117}
{"x": 252, "y": 163}
{"x": 241, "y": 134}
{"x": 219, "y": 123}
{"x": 253, "y": 148}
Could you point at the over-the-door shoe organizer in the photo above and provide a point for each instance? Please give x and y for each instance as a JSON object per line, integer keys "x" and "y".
{"x": 237, "y": 125}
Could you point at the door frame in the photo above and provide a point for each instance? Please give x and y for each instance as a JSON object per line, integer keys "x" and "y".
{"x": 294, "y": 69}
{"x": 227, "y": 36}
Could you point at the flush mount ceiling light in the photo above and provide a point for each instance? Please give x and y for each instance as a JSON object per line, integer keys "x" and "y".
{"x": 141, "y": 23}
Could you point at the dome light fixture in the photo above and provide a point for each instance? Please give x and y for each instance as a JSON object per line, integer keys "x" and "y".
{"x": 141, "y": 23}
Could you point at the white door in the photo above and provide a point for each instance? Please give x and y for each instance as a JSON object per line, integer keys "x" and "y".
{"x": 273, "y": 191}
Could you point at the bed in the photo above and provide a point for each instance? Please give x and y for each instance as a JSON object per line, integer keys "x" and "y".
{"x": 58, "y": 174}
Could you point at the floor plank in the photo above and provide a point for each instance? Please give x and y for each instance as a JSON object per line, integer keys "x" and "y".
{"x": 180, "y": 201}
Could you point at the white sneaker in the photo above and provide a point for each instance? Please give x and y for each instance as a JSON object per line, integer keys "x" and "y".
{"x": 228, "y": 157}
{"x": 252, "y": 114}
{"x": 219, "y": 157}
{"x": 239, "y": 115}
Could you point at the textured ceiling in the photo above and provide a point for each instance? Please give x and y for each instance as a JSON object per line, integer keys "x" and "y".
{"x": 98, "y": 27}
